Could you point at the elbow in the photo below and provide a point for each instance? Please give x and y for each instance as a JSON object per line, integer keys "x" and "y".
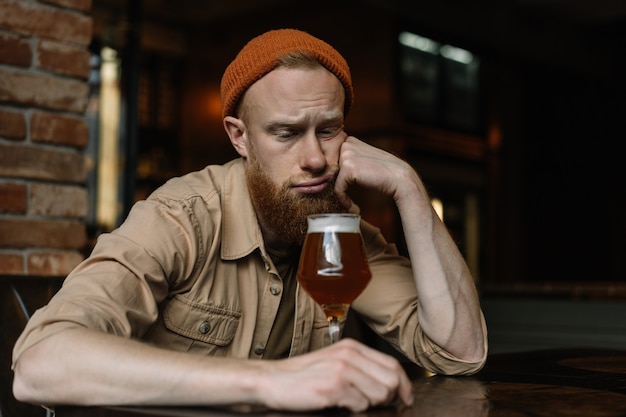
{"x": 27, "y": 378}
{"x": 23, "y": 385}
{"x": 475, "y": 360}
{"x": 461, "y": 367}
{"x": 478, "y": 354}
{"x": 474, "y": 356}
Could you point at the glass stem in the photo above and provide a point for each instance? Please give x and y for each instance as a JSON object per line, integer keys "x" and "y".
{"x": 333, "y": 329}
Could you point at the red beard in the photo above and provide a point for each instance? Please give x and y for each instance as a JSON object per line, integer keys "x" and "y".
{"x": 284, "y": 211}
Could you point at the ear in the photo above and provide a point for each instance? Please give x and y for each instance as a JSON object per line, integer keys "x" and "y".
{"x": 236, "y": 130}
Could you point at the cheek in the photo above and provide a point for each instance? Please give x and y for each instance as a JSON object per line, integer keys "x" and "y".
{"x": 274, "y": 169}
{"x": 279, "y": 162}
{"x": 332, "y": 152}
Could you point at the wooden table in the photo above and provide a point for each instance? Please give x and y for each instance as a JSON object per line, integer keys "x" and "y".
{"x": 545, "y": 383}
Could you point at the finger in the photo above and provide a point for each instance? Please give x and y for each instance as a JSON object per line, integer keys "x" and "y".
{"x": 379, "y": 390}
{"x": 341, "y": 188}
{"x": 353, "y": 399}
{"x": 379, "y": 376}
{"x": 391, "y": 374}
{"x": 344, "y": 177}
{"x": 350, "y": 386}
{"x": 344, "y": 199}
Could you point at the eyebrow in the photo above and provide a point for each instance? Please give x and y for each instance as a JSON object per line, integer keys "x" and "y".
{"x": 288, "y": 123}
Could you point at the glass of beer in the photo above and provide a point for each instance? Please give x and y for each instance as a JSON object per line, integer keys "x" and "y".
{"x": 333, "y": 267}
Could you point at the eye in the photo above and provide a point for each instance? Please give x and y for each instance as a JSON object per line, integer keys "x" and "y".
{"x": 285, "y": 134}
{"x": 329, "y": 132}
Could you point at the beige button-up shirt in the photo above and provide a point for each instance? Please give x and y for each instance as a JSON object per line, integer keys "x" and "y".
{"x": 188, "y": 271}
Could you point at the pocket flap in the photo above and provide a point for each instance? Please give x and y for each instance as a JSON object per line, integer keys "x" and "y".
{"x": 204, "y": 322}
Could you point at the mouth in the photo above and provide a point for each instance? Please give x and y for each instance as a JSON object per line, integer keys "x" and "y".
{"x": 315, "y": 185}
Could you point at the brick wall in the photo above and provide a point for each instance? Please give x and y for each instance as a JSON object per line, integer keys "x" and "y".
{"x": 44, "y": 66}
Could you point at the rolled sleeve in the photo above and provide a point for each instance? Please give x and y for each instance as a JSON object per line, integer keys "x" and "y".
{"x": 439, "y": 361}
{"x": 100, "y": 294}
{"x": 118, "y": 289}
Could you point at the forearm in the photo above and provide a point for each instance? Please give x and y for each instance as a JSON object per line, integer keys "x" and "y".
{"x": 87, "y": 368}
{"x": 82, "y": 366}
{"x": 448, "y": 308}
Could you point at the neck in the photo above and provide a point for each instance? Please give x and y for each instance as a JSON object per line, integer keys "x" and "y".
{"x": 271, "y": 239}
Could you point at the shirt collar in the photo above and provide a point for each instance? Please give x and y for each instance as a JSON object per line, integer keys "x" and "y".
{"x": 240, "y": 228}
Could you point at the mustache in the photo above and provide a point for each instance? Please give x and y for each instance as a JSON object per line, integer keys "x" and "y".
{"x": 295, "y": 181}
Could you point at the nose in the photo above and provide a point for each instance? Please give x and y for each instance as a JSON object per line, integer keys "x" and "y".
{"x": 313, "y": 157}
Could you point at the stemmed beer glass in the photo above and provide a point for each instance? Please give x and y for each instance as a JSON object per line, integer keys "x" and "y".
{"x": 333, "y": 267}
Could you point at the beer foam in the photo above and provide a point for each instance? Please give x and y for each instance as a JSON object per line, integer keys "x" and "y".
{"x": 335, "y": 222}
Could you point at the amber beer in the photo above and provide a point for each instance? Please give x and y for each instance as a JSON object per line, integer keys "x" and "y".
{"x": 333, "y": 267}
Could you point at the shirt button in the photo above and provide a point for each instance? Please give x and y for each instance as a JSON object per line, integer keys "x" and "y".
{"x": 275, "y": 289}
{"x": 259, "y": 349}
{"x": 205, "y": 327}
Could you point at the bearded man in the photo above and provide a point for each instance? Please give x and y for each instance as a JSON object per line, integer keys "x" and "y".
{"x": 182, "y": 301}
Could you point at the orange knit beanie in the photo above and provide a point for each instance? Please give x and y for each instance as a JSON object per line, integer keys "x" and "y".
{"x": 261, "y": 54}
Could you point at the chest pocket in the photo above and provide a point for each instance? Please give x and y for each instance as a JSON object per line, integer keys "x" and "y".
{"x": 202, "y": 322}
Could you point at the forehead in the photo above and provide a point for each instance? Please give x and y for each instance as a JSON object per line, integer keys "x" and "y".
{"x": 292, "y": 89}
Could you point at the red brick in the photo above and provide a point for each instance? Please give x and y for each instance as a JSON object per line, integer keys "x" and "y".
{"x": 12, "y": 197}
{"x": 58, "y": 129}
{"x": 34, "y": 19}
{"x": 52, "y": 263}
{"x": 63, "y": 59}
{"x": 82, "y": 5}
{"x": 14, "y": 50}
{"x": 43, "y": 91}
{"x": 42, "y": 163}
{"x": 11, "y": 263}
{"x": 12, "y": 124}
{"x": 57, "y": 201}
{"x": 20, "y": 233}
